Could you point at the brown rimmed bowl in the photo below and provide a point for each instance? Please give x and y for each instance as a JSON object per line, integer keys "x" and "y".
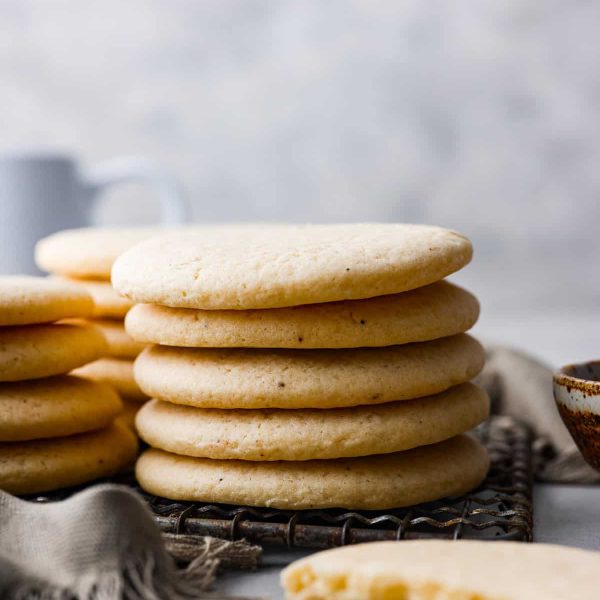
{"x": 577, "y": 395}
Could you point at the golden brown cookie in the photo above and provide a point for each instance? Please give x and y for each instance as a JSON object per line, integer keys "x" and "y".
{"x": 35, "y": 351}
{"x": 55, "y": 407}
{"x": 44, "y": 465}
{"x": 437, "y": 310}
{"x": 269, "y": 267}
{"x": 119, "y": 344}
{"x": 275, "y": 434}
{"x": 117, "y": 373}
{"x": 28, "y": 300}
{"x": 88, "y": 252}
{"x": 374, "y": 482}
{"x": 260, "y": 378}
{"x": 130, "y": 410}
{"x": 108, "y": 304}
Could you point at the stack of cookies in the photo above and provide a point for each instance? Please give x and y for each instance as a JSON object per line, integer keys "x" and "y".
{"x": 305, "y": 367}
{"x": 85, "y": 257}
{"x": 56, "y": 430}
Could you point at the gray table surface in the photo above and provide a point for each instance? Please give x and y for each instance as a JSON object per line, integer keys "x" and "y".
{"x": 568, "y": 515}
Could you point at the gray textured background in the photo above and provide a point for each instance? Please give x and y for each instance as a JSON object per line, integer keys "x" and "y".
{"x": 479, "y": 115}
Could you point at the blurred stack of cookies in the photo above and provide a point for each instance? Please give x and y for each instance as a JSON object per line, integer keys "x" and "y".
{"x": 85, "y": 257}
{"x": 56, "y": 430}
{"x": 305, "y": 367}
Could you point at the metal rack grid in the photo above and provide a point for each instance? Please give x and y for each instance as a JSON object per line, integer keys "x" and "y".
{"x": 500, "y": 509}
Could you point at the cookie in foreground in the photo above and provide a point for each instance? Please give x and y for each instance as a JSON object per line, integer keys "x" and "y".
{"x": 445, "y": 570}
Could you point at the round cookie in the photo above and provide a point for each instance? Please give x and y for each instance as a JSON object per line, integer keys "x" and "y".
{"x": 437, "y": 310}
{"x": 88, "y": 252}
{"x": 55, "y": 407}
{"x": 35, "y": 351}
{"x": 28, "y": 300}
{"x": 445, "y": 570}
{"x": 119, "y": 343}
{"x": 117, "y": 373}
{"x": 375, "y": 482}
{"x": 108, "y": 304}
{"x": 44, "y": 465}
{"x": 276, "y": 266}
{"x": 264, "y": 435}
{"x": 261, "y": 378}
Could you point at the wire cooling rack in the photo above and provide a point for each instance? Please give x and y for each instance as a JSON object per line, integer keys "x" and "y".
{"x": 500, "y": 509}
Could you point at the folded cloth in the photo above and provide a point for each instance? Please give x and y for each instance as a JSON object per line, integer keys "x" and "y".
{"x": 101, "y": 544}
{"x": 521, "y": 386}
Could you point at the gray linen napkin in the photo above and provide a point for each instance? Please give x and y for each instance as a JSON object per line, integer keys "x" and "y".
{"x": 100, "y": 544}
{"x": 521, "y": 386}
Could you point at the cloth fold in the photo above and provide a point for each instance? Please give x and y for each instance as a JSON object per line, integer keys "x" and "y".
{"x": 100, "y": 544}
{"x": 521, "y": 386}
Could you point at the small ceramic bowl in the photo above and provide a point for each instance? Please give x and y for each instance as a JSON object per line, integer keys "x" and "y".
{"x": 577, "y": 395}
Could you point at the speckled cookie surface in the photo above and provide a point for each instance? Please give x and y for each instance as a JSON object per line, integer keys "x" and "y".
{"x": 261, "y": 378}
{"x": 275, "y": 434}
{"x": 27, "y": 300}
{"x": 438, "y": 310}
{"x": 55, "y": 407}
{"x": 35, "y": 351}
{"x": 117, "y": 373}
{"x": 444, "y": 570}
{"x": 373, "y": 482}
{"x": 108, "y": 304}
{"x": 272, "y": 267}
{"x": 44, "y": 465}
{"x": 88, "y": 252}
{"x": 119, "y": 344}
